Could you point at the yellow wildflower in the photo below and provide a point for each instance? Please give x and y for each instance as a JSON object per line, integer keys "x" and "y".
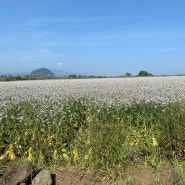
{"x": 55, "y": 154}
{"x": 50, "y": 140}
{"x": 33, "y": 136}
{"x": 10, "y": 152}
{"x": 42, "y": 130}
{"x": 30, "y": 154}
{"x": 41, "y": 156}
{"x": 154, "y": 142}
{"x": 25, "y": 133}
{"x": 75, "y": 154}
{"x": 12, "y": 156}
{"x": 64, "y": 150}
{"x": 133, "y": 143}
{"x": 89, "y": 152}
{"x": 3, "y": 156}
{"x": 65, "y": 156}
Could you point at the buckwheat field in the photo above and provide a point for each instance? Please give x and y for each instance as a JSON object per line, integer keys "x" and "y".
{"x": 104, "y": 124}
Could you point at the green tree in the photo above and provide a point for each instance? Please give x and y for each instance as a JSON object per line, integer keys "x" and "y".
{"x": 128, "y": 74}
{"x": 144, "y": 73}
{"x": 72, "y": 76}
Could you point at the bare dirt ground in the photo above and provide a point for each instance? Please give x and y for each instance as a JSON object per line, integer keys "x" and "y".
{"x": 135, "y": 176}
{"x": 147, "y": 176}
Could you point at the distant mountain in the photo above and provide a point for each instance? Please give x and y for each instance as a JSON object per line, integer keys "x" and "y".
{"x": 42, "y": 72}
{"x": 15, "y": 74}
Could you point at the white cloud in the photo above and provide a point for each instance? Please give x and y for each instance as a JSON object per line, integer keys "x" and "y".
{"x": 59, "y": 64}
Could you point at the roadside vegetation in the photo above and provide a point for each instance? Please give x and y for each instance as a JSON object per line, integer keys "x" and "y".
{"x": 106, "y": 140}
{"x": 103, "y": 138}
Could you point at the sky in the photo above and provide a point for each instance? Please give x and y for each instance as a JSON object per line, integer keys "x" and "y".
{"x": 93, "y": 37}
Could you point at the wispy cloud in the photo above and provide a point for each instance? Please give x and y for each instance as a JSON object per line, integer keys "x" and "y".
{"x": 60, "y": 64}
{"x": 51, "y": 40}
{"x": 168, "y": 49}
{"x": 31, "y": 56}
{"x": 80, "y": 32}
{"x": 71, "y": 19}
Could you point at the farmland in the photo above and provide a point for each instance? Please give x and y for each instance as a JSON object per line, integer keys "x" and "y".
{"x": 112, "y": 90}
{"x": 104, "y": 125}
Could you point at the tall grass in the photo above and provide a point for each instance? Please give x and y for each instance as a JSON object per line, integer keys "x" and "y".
{"x": 98, "y": 138}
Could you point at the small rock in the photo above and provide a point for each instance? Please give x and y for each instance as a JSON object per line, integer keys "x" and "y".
{"x": 2, "y": 181}
{"x": 43, "y": 178}
{"x": 22, "y": 174}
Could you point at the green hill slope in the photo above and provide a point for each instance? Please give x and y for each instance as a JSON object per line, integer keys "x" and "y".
{"x": 42, "y": 72}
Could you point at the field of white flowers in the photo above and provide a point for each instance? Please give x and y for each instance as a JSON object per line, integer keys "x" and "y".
{"x": 107, "y": 90}
{"x": 103, "y": 124}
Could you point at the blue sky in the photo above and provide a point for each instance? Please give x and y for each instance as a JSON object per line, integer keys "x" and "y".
{"x": 93, "y": 37}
